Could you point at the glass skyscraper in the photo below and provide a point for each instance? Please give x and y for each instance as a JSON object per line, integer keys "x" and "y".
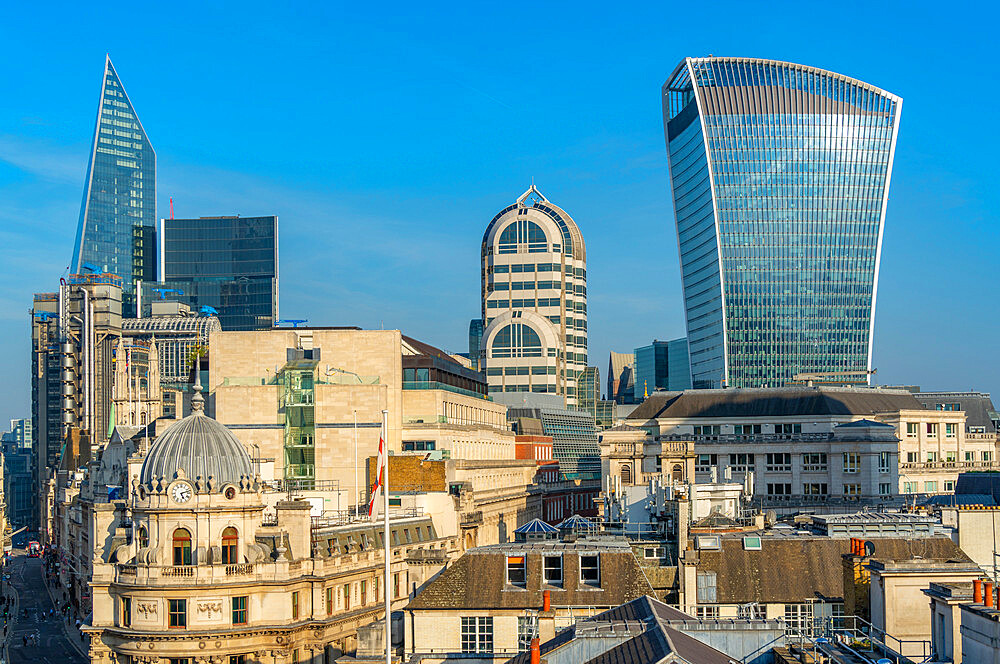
{"x": 227, "y": 263}
{"x": 116, "y": 231}
{"x": 780, "y": 177}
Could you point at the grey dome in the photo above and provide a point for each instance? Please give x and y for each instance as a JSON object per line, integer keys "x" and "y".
{"x": 200, "y": 446}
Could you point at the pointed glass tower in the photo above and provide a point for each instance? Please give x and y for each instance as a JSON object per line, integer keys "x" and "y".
{"x": 117, "y": 225}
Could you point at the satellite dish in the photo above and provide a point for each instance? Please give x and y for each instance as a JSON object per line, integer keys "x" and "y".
{"x": 869, "y": 548}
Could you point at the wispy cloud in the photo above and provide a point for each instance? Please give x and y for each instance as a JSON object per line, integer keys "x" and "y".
{"x": 42, "y": 159}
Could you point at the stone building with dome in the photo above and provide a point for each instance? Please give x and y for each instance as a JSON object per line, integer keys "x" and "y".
{"x": 182, "y": 564}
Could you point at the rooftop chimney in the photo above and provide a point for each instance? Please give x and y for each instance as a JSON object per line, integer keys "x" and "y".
{"x": 977, "y": 591}
{"x": 536, "y": 651}
{"x": 546, "y": 600}
{"x": 988, "y": 591}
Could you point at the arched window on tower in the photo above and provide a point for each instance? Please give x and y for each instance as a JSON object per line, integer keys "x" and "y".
{"x": 230, "y": 544}
{"x": 524, "y": 236}
{"x": 182, "y": 547}
{"x": 143, "y": 537}
{"x": 516, "y": 340}
{"x": 678, "y": 473}
{"x": 626, "y": 475}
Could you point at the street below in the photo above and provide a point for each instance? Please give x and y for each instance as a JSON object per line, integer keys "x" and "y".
{"x": 47, "y": 639}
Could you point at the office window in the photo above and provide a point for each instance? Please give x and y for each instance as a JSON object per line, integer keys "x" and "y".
{"x": 815, "y": 489}
{"x": 884, "y": 489}
{"x": 477, "y": 634}
{"x": 553, "y": 570}
{"x": 950, "y": 429}
{"x": 126, "y": 611}
{"x": 779, "y": 462}
{"x": 516, "y": 571}
{"x": 798, "y": 617}
{"x": 590, "y": 570}
{"x": 177, "y": 613}
{"x": 852, "y": 489}
{"x": 527, "y": 629}
{"x": 884, "y": 462}
{"x": 909, "y": 487}
{"x": 930, "y": 487}
{"x": 329, "y": 600}
{"x": 814, "y": 462}
{"x": 932, "y": 429}
{"x": 912, "y": 429}
{"x": 706, "y": 588}
{"x": 240, "y": 610}
{"x": 852, "y": 462}
{"x": 655, "y": 553}
{"x": 738, "y": 462}
{"x": 779, "y": 488}
{"x": 704, "y": 462}
{"x": 295, "y": 605}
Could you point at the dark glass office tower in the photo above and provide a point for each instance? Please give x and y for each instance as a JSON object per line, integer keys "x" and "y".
{"x": 780, "y": 176}
{"x": 116, "y": 231}
{"x": 227, "y": 263}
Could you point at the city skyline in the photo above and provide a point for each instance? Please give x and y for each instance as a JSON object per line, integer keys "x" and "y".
{"x": 615, "y": 155}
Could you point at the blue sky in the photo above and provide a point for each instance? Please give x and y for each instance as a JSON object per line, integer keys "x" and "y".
{"x": 385, "y": 137}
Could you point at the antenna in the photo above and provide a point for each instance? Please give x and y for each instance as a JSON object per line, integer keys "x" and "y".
{"x": 171, "y": 207}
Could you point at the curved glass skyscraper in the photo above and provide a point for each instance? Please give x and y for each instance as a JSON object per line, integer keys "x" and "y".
{"x": 116, "y": 232}
{"x": 780, "y": 177}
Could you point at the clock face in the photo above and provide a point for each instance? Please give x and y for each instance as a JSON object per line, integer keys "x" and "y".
{"x": 181, "y": 492}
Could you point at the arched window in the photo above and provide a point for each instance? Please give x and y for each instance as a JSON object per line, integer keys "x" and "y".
{"x": 678, "y": 473}
{"x": 626, "y": 475}
{"x": 182, "y": 547}
{"x": 230, "y": 543}
{"x": 516, "y": 340}
{"x": 143, "y": 537}
{"x": 522, "y": 232}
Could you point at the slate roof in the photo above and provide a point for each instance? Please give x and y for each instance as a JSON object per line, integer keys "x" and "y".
{"x": 657, "y": 641}
{"x": 773, "y": 402}
{"x": 477, "y": 579}
{"x": 978, "y": 406}
{"x": 762, "y": 576}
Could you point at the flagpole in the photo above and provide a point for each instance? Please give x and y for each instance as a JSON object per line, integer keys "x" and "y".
{"x": 386, "y": 540}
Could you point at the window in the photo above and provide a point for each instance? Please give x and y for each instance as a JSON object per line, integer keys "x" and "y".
{"x": 950, "y": 430}
{"x": 884, "y": 489}
{"x": 932, "y": 457}
{"x": 987, "y": 456}
{"x": 375, "y": 589}
{"x": 364, "y": 593}
{"x": 516, "y": 573}
{"x": 779, "y": 462}
{"x": 932, "y": 429}
{"x": 295, "y": 605}
{"x": 885, "y": 462}
{"x": 240, "y": 610}
{"x": 787, "y": 428}
{"x": 852, "y": 489}
{"x": 477, "y": 634}
{"x": 553, "y": 570}
{"x": 909, "y": 487}
{"x": 746, "y": 429}
{"x": 779, "y": 489}
{"x": 177, "y": 613}
{"x": 237, "y": 659}
{"x": 590, "y": 570}
{"x": 930, "y": 487}
{"x": 230, "y": 543}
{"x": 708, "y": 430}
{"x": 949, "y": 485}
{"x": 419, "y": 445}
{"x": 815, "y": 489}
{"x": 949, "y": 456}
{"x": 706, "y": 588}
{"x": 706, "y": 612}
{"x": 852, "y": 462}
{"x": 912, "y": 429}
{"x": 655, "y": 553}
{"x": 740, "y": 462}
{"x": 346, "y": 591}
{"x": 798, "y": 617}
{"x": 516, "y": 340}
{"x": 182, "y": 547}
{"x": 750, "y": 612}
{"x": 329, "y": 600}
{"x": 704, "y": 462}
{"x": 626, "y": 475}
{"x": 970, "y": 456}
{"x": 143, "y": 537}
{"x": 395, "y": 585}
{"x": 912, "y": 457}
{"x": 814, "y": 463}
{"x": 126, "y": 611}
{"x": 527, "y": 629}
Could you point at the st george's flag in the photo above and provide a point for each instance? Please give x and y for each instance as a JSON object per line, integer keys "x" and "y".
{"x": 379, "y": 472}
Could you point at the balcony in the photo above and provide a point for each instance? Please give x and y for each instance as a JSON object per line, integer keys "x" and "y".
{"x": 950, "y": 466}
{"x": 472, "y": 519}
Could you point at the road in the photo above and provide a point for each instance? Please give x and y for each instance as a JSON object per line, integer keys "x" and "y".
{"x": 52, "y": 646}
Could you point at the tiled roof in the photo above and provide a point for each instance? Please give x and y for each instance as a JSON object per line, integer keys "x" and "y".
{"x": 773, "y": 402}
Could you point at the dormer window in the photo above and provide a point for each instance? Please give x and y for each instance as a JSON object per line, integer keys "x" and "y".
{"x": 590, "y": 570}
{"x": 516, "y": 571}
{"x": 182, "y": 547}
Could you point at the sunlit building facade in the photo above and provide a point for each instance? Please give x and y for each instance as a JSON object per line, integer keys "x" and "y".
{"x": 117, "y": 227}
{"x": 534, "y": 297}
{"x": 780, "y": 177}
